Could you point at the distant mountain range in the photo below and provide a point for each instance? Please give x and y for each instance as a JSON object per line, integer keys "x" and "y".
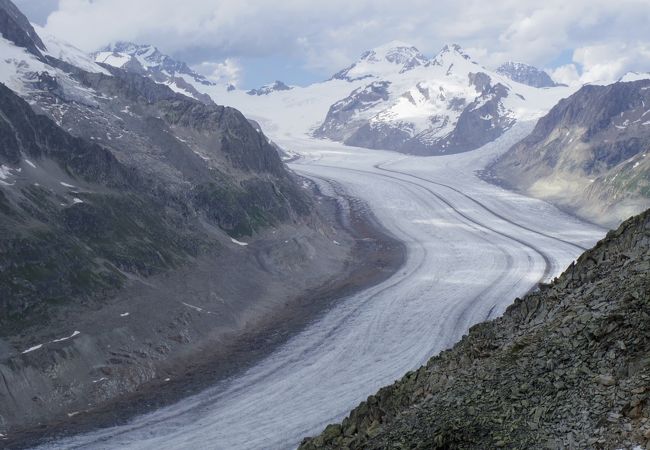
{"x": 395, "y": 98}
{"x": 448, "y": 104}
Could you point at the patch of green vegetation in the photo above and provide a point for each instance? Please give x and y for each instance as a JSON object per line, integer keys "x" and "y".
{"x": 237, "y": 211}
{"x": 640, "y": 182}
{"x": 632, "y": 181}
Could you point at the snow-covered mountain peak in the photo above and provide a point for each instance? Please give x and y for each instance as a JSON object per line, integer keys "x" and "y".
{"x": 147, "y": 60}
{"x": 269, "y": 88}
{"x": 119, "y": 53}
{"x": 27, "y": 65}
{"x": 392, "y": 45}
{"x": 391, "y": 58}
{"x": 452, "y": 50}
{"x": 123, "y": 47}
{"x": 526, "y": 74}
{"x": 128, "y": 47}
{"x": 147, "y": 55}
{"x": 445, "y": 105}
{"x": 64, "y": 51}
{"x": 395, "y": 52}
{"x": 453, "y": 55}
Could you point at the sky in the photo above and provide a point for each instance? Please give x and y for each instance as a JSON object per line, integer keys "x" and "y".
{"x": 253, "y": 42}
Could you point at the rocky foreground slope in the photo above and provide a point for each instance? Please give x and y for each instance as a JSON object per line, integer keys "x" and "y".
{"x": 567, "y": 366}
{"x": 589, "y": 153}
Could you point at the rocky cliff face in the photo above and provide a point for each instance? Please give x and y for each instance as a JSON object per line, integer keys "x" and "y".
{"x": 589, "y": 153}
{"x": 15, "y": 27}
{"x": 565, "y": 367}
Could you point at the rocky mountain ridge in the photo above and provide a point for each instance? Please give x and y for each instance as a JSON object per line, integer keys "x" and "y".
{"x": 589, "y": 153}
{"x": 15, "y": 27}
{"x": 138, "y": 142}
{"x": 565, "y": 367}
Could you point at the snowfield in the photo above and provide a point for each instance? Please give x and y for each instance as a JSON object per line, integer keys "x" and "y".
{"x": 472, "y": 248}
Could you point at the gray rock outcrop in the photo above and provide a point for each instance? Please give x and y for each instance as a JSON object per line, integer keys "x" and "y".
{"x": 526, "y": 74}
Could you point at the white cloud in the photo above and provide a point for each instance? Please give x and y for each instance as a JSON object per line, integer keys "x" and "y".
{"x": 567, "y": 74}
{"x": 227, "y": 72}
{"x": 327, "y": 35}
{"x": 608, "y": 62}
{"x": 603, "y": 63}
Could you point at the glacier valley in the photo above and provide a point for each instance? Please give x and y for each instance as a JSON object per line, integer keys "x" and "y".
{"x": 472, "y": 248}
